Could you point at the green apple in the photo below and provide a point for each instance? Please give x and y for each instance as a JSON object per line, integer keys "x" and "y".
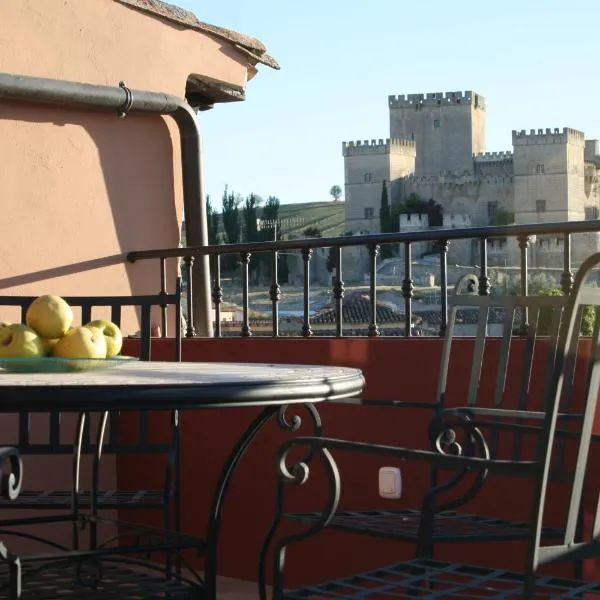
{"x": 20, "y": 341}
{"x": 81, "y": 342}
{"x": 112, "y": 335}
{"x": 50, "y": 316}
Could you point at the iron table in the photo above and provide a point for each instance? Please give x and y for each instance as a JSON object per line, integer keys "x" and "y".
{"x": 136, "y": 386}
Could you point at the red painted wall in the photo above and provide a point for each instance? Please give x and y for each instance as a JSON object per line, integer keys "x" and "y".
{"x": 395, "y": 369}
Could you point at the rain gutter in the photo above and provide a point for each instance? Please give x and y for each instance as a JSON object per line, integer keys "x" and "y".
{"x": 122, "y": 100}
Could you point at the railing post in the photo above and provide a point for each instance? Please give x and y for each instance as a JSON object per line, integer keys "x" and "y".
{"x": 306, "y": 256}
{"x": 444, "y": 286}
{"x": 190, "y": 330}
{"x": 245, "y": 260}
{"x": 407, "y": 288}
{"x": 275, "y": 294}
{"x": 217, "y": 294}
{"x": 523, "y": 245}
{"x": 484, "y": 281}
{"x": 566, "y": 279}
{"x": 163, "y": 292}
{"x": 338, "y": 292}
{"x": 373, "y": 254}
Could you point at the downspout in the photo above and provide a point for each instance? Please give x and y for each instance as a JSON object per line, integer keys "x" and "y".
{"x": 122, "y": 100}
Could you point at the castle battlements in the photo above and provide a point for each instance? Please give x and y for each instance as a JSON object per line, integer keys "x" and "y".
{"x": 380, "y": 146}
{"x": 547, "y": 136}
{"x": 436, "y": 99}
{"x": 413, "y": 221}
{"x": 493, "y": 156}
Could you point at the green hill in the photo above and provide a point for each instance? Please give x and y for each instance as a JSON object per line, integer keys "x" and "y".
{"x": 327, "y": 217}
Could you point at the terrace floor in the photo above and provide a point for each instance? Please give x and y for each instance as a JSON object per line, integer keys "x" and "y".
{"x": 235, "y": 589}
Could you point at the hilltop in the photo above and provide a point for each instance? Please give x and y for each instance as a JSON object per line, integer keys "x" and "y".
{"x": 328, "y": 217}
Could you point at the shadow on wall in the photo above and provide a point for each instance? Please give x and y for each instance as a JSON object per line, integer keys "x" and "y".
{"x": 136, "y": 162}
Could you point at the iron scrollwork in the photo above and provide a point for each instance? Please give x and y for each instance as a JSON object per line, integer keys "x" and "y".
{"x": 454, "y": 433}
{"x": 11, "y": 488}
{"x": 297, "y": 473}
{"x": 294, "y": 423}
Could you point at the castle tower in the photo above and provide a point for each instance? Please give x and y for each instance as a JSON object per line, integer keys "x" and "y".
{"x": 549, "y": 175}
{"x": 366, "y": 166}
{"x": 448, "y": 129}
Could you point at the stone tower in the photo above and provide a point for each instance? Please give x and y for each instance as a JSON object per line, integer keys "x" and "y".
{"x": 366, "y": 166}
{"x": 549, "y": 175}
{"x": 448, "y": 129}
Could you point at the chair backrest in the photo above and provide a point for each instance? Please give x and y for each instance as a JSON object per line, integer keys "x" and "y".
{"x": 53, "y": 430}
{"x": 575, "y": 363}
{"x": 514, "y": 340}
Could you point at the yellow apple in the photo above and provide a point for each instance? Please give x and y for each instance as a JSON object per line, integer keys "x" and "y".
{"x": 20, "y": 341}
{"x": 112, "y": 335}
{"x": 50, "y": 316}
{"x": 49, "y": 344}
{"x": 81, "y": 342}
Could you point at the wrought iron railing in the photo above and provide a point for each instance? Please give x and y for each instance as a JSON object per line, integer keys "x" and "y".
{"x": 373, "y": 242}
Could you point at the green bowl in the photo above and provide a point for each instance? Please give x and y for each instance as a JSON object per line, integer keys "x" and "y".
{"x": 53, "y": 364}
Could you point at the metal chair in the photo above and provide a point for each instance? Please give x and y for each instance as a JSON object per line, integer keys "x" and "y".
{"x": 509, "y": 318}
{"x": 77, "y": 505}
{"x": 555, "y": 421}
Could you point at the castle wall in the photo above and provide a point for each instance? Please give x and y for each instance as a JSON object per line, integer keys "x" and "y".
{"x": 592, "y": 188}
{"x": 366, "y": 166}
{"x": 475, "y": 196}
{"x": 448, "y": 128}
{"x": 549, "y": 175}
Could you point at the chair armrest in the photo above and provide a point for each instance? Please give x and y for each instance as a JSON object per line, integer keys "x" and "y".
{"x": 443, "y": 461}
{"x": 506, "y": 413}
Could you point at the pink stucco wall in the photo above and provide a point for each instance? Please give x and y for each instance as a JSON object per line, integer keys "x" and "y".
{"x": 79, "y": 189}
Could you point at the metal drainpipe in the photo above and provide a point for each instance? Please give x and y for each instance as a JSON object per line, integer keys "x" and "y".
{"x": 123, "y": 100}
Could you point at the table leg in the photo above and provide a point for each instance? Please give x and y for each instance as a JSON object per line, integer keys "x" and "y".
{"x": 214, "y": 525}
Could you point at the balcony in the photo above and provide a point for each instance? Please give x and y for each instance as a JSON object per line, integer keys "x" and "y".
{"x": 397, "y": 364}
{"x": 396, "y": 367}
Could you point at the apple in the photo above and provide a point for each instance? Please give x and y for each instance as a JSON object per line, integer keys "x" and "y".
{"x": 112, "y": 335}
{"x": 19, "y": 341}
{"x": 81, "y": 342}
{"x": 49, "y": 344}
{"x": 50, "y": 316}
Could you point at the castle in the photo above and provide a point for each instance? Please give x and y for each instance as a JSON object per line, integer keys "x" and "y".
{"x": 436, "y": 149}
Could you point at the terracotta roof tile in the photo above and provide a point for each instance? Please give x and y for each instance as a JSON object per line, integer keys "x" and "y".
{"x": 356, "y": 308}
{"x": 247, "y": 44}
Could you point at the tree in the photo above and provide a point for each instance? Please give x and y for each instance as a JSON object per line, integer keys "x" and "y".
{"x": 231, "y": 225}
{"x": 270, "y": 213}
{"x": 414, "y": 204}
{"x": 231, "y": 217}
{"x": 502, "y": 217}
{"x": 212, "y": 218}
{"x": 312, "y": 232}
{"x": 385, "y": 220}
{"x": 249, "y": 216}
{"x": 546, "y": 315}
{"x": 335, "y": 192}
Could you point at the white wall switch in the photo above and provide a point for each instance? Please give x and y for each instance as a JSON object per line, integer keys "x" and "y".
{"x": 390, "y": 482}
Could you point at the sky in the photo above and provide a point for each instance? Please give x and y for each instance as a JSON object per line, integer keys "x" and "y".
{"x": 536, "y": 62}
